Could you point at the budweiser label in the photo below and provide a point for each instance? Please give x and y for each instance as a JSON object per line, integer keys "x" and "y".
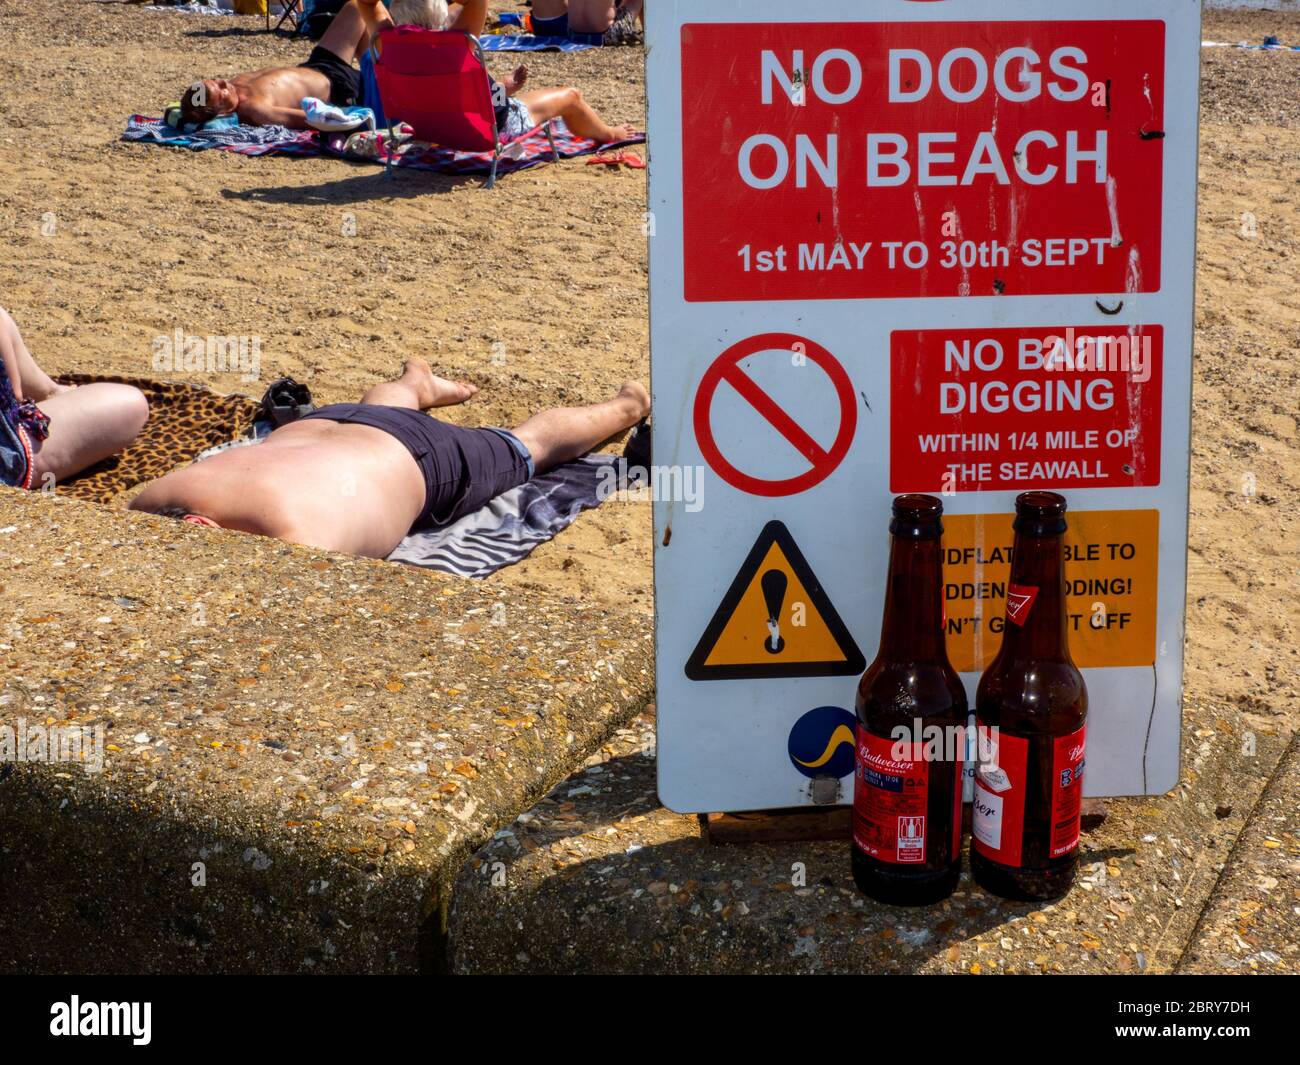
{"x": 1020, "y": 601}
{"x": 1067, "y": 792}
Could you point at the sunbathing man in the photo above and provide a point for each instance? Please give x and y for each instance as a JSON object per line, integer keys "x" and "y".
{"x": 50, "y": 431}
{"x": 274, "y": 95}
{"x": 357, "y": 477}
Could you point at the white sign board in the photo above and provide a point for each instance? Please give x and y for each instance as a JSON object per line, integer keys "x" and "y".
{"x": 904, "y": 246}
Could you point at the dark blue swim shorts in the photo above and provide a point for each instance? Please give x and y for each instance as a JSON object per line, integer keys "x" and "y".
{"x": 462, "y": 468}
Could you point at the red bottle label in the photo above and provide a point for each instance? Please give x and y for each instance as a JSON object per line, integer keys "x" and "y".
{"x": 891, "y": 799}
{"x": 1067, "y": 792}
{"x": 1001, "y": 776}
{"x": 998, "y": 810}
{"x": 1020, "y": 601}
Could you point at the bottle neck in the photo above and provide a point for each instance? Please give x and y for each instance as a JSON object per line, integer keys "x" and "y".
{"x": 912, "y": 630}
{"x": 1036, "y": 628}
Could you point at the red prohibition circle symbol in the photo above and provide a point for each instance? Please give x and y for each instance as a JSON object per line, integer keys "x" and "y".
{"x": 822, "y": 462}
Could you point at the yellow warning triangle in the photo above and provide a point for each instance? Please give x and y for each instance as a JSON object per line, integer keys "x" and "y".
{"x": 775, "y": 621}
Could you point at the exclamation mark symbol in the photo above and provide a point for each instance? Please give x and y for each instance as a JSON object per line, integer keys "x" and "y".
{"x": 774, "y": 584}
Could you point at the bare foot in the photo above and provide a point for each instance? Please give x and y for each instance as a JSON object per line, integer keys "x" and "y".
{"x": 434, "y": 391}
{"x": 516, "y": 80}
{"x": 637, "y": 397}
{"x": 622, "y": 132}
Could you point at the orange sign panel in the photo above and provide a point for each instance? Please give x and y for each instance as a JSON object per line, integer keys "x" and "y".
{"x": 1110, "y": 578}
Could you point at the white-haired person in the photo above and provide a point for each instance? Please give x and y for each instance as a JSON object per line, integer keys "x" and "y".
{"x": 517, "y": 112}
{"x": 50, "y": 431}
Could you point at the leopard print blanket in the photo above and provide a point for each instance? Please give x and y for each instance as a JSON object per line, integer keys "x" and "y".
{"x": 184, "y": 420}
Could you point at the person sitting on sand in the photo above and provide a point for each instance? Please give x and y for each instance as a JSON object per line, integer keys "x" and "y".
{"x": 50, "y": 431}
{"x": 358, "y": 477}
{"x": 517, "y": 112}
{"x": 610, "y": 22}
{"x": 274, "y": 95}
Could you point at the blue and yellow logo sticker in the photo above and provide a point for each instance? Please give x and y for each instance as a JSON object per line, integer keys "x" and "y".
{"x": 822, "y": 742}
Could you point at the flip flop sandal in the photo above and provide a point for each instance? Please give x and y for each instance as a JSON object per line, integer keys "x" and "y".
{"x": 617, "y": 158}
{"x": 285, "y": 401}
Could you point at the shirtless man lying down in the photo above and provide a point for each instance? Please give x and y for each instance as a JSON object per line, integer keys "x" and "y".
{"x": 357, "y": 477}
{"x": 274, "y": 95}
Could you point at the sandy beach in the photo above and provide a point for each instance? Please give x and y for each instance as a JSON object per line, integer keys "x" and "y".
{"x": 536, "y": 291}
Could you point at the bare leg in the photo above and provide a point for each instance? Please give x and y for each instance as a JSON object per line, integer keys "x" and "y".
{"x": 418, "y": 389}
{"x": 634, "y": 8}
{"x": 30, "y": 381}
{"x": 349, "y": 34}
{"x": 471, "y": 17}
{"x": 87, "y": 424}
{"x": 578, "y": 115}
{"x": 558, "y": 435}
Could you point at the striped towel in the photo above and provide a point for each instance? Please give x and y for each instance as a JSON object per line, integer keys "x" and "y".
{"x": 233, "y": 137}
{"x": 527, "y": 42}
{"x": 530, "y": 149}
{"x": 506, "y": 530}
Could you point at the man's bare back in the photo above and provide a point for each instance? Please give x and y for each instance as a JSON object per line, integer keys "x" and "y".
{"x": 330, "y": 483}
{"x": 349, "y": 488}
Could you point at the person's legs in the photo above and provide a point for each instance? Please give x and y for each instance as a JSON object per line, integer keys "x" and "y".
{"x": 87, "y": 424}
{"x": 564, "y": 433}
{"x": 568, "y": 103}
{"x": 349, "y": 33}
{"x": 471, "y": 16}
{"x": 418, "y": 389}
{"x": 32, "y": 382}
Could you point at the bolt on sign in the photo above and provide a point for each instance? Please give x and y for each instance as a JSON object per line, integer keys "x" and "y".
{"x": 905, "y": 246}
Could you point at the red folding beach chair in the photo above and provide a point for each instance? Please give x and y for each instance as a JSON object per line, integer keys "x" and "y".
{"x": 436, "y": 81}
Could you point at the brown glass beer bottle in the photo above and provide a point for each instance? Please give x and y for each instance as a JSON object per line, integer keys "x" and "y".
{"x": 911, "y": 734}
{"x": 1030, "y": 712}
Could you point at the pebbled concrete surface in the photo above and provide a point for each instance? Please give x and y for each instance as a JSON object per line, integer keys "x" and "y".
{"x": 330, "y": 737}
{"x": 599, "y": 877}
{"x": 1252, "y": 921}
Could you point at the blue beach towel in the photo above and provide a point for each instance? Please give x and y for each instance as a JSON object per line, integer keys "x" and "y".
{"x": 527, "y": 42}
{"x": 226, "y": 133}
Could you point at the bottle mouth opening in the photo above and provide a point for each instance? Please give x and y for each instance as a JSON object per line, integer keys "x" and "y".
{"x": 917, "y": 517}
{"x": 1040, "y": 513}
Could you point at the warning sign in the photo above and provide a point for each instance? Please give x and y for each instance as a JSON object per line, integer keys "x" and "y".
{"x": 1111, "y": 583}
{"x": 800, "y": 352}
{"x": 848, "y": 160}
{"x": 775, "y": 621}
{"x": 901, "y": 246}
{"x": 985, "y": 409}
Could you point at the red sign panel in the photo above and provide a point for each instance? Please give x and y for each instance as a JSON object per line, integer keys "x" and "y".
{"x": 1010, "y": 409}
{"x": 849, "y": 161}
